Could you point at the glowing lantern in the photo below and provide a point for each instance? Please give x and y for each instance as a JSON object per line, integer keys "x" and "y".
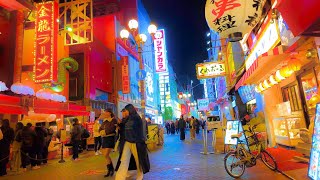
{"x": 233, "y": 18}
{"x": 272, "y": 80}
{"x": 3, "y": 86}
{"x": 257, "y": 89}
{"x": 286, "y": 72}
{"x": 294, "y": 65}
{"x": 279, "y": 77}
{"x": 266, "y": 84}
{"x": 261, "y": 87}
{"x": 314, "y": 100}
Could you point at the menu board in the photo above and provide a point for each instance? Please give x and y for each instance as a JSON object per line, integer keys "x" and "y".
{"x": 314, "y": 166}
{"x": 247, "y": 93}
{"x": 232, "y": 128}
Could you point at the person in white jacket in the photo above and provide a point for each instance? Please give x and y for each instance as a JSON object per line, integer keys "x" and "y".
{"x": 97, "y": 137}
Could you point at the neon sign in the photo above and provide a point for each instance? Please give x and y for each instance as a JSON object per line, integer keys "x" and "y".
{"x": 160, "y": 51}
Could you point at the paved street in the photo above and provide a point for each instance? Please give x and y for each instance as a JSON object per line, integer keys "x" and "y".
{"x": 176, "y": 160}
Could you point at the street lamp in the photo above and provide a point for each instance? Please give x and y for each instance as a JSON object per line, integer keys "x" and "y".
{"x": 140, "y": 40}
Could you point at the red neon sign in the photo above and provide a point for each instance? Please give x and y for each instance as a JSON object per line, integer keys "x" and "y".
{"x": 46, "y": 35}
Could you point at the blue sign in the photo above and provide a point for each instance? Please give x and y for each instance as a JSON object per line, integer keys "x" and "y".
{"x": 141, "y": 74}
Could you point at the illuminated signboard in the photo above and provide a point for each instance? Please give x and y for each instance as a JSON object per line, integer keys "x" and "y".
{"x": 160, "y": 51}
{"x": 46, "y": 34}
{"x": 125, "y": 75}
{"x": 268, "y": 39}
{"x": 203, "y": 104}
{"x": 314, "y": 165}
{"x": 210, "y": 70}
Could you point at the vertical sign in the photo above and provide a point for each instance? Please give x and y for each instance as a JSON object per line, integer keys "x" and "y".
{"x": 45, "y": 45}
{"x": 203, "y": 104}
{"x": 125, "y": 75}
{"x": 160, "y": 51}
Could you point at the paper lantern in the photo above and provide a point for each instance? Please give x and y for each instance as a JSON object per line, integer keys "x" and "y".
{"x": 266, "y": 84}
{"x": 286, "y": 72}
{"x": 233, "y": 18}
{"x": 295, "y": 64}
{"x": 272, "y": 80}
{"x": 261, "y": 88}
{"x": 279, "y": 77}
{"x": 314, "y": 100}
{"x": 3, "y": 86}
{"x": 257, "y": 89}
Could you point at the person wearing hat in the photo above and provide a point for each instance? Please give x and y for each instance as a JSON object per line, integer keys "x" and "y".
{"x": 108, "y": 133}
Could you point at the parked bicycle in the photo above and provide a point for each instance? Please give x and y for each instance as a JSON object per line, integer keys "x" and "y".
{"x": 156, "y": 136}
{"x": 236, "y": 161}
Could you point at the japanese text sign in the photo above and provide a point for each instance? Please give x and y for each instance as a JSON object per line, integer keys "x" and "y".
{"x": 46, "y": 34}
{"x": 203, "y": 104}
{"x": 160, "y": 51}
{"x": 210, "y": 70}
{"x": 125, "y": 75}
{"x": 232, "y": 18}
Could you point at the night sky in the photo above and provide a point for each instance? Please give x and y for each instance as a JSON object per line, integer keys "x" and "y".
{"x": 186, "y": 28}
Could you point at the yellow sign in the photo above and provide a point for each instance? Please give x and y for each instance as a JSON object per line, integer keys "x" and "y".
{"x": 63, "y": 135}
{"x": 210, "y": 70}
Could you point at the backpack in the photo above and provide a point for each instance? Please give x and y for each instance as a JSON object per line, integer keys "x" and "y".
{"x": 85, "y": 133}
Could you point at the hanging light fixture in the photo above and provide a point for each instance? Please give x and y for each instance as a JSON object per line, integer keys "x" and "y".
{"x": 266, "y": 84}
{"x": 272, "y": 80}
{"x": 279, "y": 77}
{"x": 295, "y": 64}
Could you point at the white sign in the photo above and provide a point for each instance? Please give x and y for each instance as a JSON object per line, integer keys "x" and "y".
{"x": 268, "y": 39}
{"x": 210, "y": 70}
{"x": 203, "y": 104}
{"x": 160, "y": 51}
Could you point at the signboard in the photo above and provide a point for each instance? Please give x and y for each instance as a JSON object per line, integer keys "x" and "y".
{"x": 203, "y": 104}
{"x": 247, "y": 93}
{"x": 160, "y": 51}
{"x": 210, "y": 70}
{"x": 46, "y": 36}
{"x": 232, "y": 129}
{"x": 125, "y": 75}
{"x": 141, "y": 74}
{"x": 314, "y": 165}
{"x": 150, "y": 90}
{"x": 267, "y": 40}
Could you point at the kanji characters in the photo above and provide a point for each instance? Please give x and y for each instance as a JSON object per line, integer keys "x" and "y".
{"x": 224, "y": 5}
{"x": 43, "y": 38}
{"x": 42, "y": 60}
{"x": 252, "y": 20}
{"x": 43, "y": 26}
{"x": 43, "y": 11}
{"x": 225, "y": 22}
{"x": 43, "y": 73}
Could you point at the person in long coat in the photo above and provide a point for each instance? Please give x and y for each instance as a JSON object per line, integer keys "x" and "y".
{"x": 182, "y": 126}
{"x": 172, "y": 128}
{"x": 8, "y": 136}
{"x": 134, "y": 145}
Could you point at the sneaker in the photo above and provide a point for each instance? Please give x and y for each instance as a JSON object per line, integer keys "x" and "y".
{"x": 35, "y": 167}
{"x": 100, "y": 152}
{"x": 97, "y": 153}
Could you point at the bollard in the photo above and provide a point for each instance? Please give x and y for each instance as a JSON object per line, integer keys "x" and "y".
{"x": 61, "y": 159}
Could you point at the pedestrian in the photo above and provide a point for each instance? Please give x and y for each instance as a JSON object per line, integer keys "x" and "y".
{"x": 45, "y": 152}
{"x": 40, "y": 142}
{"x": 76, "y": 139}
{"x": 172, "y": 127}
{"x": 97, "y": 137}
{"x": 197, "y": 122}
{"x": 16, "y": 148}
{"x": 8, "y": 136}
{"x": 182, "y": 126}
{"x": 134, "y": 145}
{"x": 108, "y": 133}
{"x": 176, "y": 125}
{"x": 167, "y": 127}
{"x": 28, "y": 137}
{"x": 192, "y": 128}
{"x": 121, "y": 130}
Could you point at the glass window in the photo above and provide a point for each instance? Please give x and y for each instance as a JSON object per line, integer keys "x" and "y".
{"x": 290, "y": 94}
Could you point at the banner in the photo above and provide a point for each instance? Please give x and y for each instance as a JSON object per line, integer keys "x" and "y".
{"x": 203, "y": 104}
{"x": 125, "y": 75}
{"x": 160, "y": 51}
{"x": 46, "y": 36}
{"x": 210, "y": 70}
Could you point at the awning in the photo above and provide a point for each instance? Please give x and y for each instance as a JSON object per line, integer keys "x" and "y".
{"x": 49, "y": 107}
{"x": 11, "y": 105}
{"x": 262, "y": 64}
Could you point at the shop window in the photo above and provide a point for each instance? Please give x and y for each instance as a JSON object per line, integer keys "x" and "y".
{"x": 290, "y": 93}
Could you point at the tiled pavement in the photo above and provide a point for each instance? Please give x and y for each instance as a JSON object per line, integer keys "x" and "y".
{"x": 176, "y": 160}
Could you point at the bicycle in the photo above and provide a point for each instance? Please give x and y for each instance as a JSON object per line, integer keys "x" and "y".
{"x": 158, "y": 131}
{"x": 244, "y": 157}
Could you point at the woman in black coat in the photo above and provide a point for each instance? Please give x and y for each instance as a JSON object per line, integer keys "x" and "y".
{"x": 182, "y": 126}
{"x": 8, "y": 136}
{"x": 134, "y": 144}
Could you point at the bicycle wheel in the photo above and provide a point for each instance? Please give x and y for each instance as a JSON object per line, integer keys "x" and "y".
{"x": 233, "y": 165}
{"x": 268, "y": 160}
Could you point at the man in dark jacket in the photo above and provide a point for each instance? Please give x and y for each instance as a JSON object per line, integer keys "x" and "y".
{"x": 76, "y": 139}
{"x": 27, "y": 137}
{"x": 40, "y": 142}
{"x": 182, "y": 126}
{"x": 5, "y": 142}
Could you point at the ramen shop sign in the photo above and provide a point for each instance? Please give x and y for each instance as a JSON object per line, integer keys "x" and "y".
{"x": 210, "y": 70}
{"x": 45, "y": 46}
{"x": 160, "y": 51}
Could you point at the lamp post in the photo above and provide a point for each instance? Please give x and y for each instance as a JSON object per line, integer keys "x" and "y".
{"x": 140, "y": 39}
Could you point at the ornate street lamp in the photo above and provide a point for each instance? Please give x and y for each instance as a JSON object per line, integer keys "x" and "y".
{"x": 140, "y": 40}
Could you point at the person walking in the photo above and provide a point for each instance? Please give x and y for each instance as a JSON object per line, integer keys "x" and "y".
{"x": 28, "y": 137}
{"x": 182, "y": 126}
{"x": 192, "y": 128}
{"x": 8, "y": 136}
{"x": 45, "y": 152}
{"x": 76, "y": 139}
{"x": 172, "y": 127}
{"x": 108, "y": 133}
{"x": 16, "y": 148}
{"x": 97, "y": 137}
{"x": 176, "y": 125}
{"x": 134, "y": 145}
{"x": 197, "y": 125}
{"x": 40, "y": 142}
{"x": 167, "y": 127}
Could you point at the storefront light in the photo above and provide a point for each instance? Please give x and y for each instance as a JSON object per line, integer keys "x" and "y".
{"x": 278, "y": 76}
{"x": 266, "y": 84}
{"x": 257, "y": 89}
{"x": 261, "y": 87}
{"x": 272, "y": 80}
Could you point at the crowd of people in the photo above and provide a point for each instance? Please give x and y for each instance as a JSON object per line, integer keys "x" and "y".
{"x": 181, "y": 124}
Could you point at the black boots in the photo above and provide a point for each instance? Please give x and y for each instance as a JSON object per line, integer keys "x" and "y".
{"x": 110, "y": 170}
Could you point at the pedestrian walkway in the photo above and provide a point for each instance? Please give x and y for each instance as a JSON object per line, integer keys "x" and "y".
{"x": 176, "y": 160}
